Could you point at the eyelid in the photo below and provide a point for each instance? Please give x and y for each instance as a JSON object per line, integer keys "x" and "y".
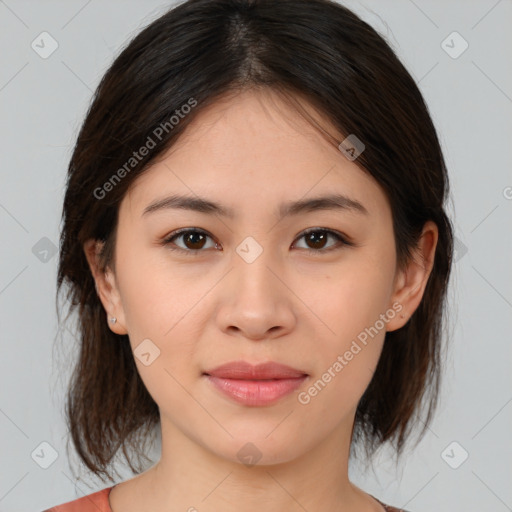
{"x": 343, "y": 239}
{"x": 166, "y": 241}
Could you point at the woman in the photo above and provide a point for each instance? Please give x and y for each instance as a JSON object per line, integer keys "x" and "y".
{"x": 255, "y": 238}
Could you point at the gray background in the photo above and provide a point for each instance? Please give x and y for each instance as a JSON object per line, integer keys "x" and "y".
{"x": 43, "y": 102}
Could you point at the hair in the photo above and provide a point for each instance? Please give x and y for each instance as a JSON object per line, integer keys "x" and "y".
{"x": 196, "y": 53}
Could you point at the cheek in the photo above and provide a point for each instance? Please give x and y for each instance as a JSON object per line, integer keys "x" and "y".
{"x": 352, "y": 300}
{"x": 156, "y": 296}
{"x": 160, "y": 305}
{"x": 352, "y": 303}
{"x": 163, "y": 322}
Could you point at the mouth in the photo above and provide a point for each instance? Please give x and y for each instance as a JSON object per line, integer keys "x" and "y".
{"x": 255, "y": 385}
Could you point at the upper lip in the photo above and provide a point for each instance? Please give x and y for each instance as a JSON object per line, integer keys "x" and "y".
{"x": 247, "y": 371}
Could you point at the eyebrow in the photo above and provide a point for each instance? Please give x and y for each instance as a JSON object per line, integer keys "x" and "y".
{"x": 202, "y": 205}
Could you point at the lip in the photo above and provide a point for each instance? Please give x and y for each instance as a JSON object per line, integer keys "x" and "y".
{"x": 255, "y": 385}
{"x": 263, "y": 371}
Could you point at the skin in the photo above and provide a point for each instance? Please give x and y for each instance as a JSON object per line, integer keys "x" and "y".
{"x": 251, "y": 153}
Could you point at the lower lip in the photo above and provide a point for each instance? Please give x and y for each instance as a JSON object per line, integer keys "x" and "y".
{"x": 256, "y": 392}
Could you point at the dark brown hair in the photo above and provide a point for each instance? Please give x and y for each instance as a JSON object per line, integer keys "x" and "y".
{"x": 200, "y": 51}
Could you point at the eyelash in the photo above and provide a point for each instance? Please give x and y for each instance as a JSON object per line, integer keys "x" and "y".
{"x": 167, "y": 242}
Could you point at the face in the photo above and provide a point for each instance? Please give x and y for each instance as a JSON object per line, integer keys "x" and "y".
{"x": 314, "y": 288}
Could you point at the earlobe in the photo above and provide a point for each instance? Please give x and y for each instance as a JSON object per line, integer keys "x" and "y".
{"x": 411, "y": 282}
{"x": 106, "y": 288}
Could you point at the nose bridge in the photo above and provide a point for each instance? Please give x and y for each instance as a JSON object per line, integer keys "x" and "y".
{"x": 256, "y": 303}
{"x": 253, "y": 263}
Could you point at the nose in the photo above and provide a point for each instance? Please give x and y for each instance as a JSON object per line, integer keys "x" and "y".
{"x": 257, "y": 303}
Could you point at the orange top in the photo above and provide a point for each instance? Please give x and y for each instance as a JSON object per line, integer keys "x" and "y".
{"x": 98, "y": 502}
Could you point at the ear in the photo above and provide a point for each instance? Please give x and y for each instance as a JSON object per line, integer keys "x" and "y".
{"x": 106, "y": 287}
{"x": 410, "y": 283}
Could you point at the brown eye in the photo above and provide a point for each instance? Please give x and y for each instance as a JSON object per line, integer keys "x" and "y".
{"x": 193, "y": 240}
{"x": 316, "y": 240}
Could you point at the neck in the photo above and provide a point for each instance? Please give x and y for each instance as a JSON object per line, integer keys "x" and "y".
{"x": 192, "y": 478}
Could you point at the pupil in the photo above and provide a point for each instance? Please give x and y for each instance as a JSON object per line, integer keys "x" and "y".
{"x": 190, "y": 237}
{"x": 314, "y": 235}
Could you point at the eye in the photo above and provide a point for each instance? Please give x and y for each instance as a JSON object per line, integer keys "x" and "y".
{"x": 194, "y": 240}
{"x": 318, "y": 237}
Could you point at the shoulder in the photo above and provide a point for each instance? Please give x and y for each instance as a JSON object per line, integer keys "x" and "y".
{"x": 95, "y": 502}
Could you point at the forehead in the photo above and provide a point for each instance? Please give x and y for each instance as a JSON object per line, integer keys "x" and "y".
{"x": 254, "y": 145}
